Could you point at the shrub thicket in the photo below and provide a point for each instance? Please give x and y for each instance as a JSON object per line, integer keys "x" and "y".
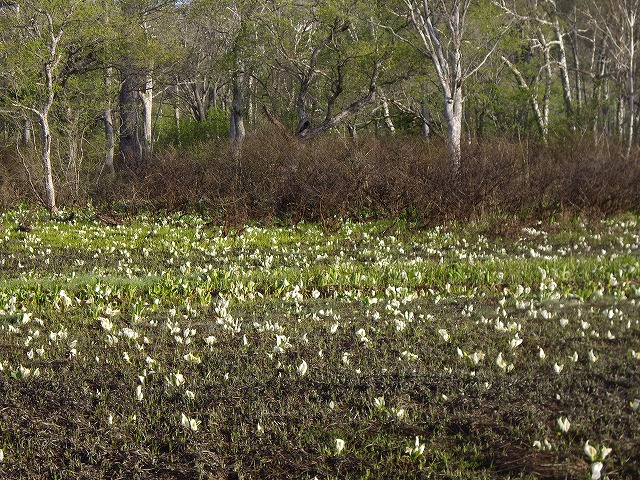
{"x": 281, "y": 178}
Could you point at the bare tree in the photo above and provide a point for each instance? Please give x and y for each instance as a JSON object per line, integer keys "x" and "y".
{"x": 306, "y": 77}
{"x": 315, "y": 52}
{"x": 618, "y": 22}
{"x": 437, "y": 30}
{"x": 538, "y": 43}
{"x": 544, "y": 17}
{"x": 205, "y": 39}
{"x": 48, "y": 25}
{"x": 137, "y": 67}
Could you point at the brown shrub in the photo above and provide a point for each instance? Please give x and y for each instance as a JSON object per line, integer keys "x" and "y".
{"x": 281, "y": 178}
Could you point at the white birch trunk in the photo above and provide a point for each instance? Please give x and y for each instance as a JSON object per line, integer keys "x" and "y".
{"x": 426, "y": 118}
{"x": 385, "y": 112}
{"x": 176, "y": 109}
{"x": 109, "y": 137}
{"x": 453, "y": 115}
{"x": 444, "y": 48}
{"x": 146, "y": 96}
{"x": 564, "y": 68}
{"x": 49, "y": 69}
{"x": 49, "y": 190}
{"x": 109, "y": 141}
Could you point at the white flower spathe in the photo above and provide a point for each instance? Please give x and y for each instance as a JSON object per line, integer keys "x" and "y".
{"x": 302, "y": 368}
{"x": 105, "y": 323}
{"x": 563, "y": 424}
{"x": 174, "y": 379}
{"x": 444, "y": 334}
{"x": 590, "y": 451}
{"x": 362, "y": 335}
{"x": 477, "y": 357}
{"x": 501, "y": 362}
{"x": 190, "y": 357}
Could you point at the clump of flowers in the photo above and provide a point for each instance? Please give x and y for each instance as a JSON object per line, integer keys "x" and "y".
{"x": 596, "y": 459}
{"x": 417, "y": 449}
{"x": 189, "y": 423}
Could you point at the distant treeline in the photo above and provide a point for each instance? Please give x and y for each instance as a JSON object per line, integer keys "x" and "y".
{"x": 93, "y": 93}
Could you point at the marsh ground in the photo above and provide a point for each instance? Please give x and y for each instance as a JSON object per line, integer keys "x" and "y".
{"x": 164, "y": 347}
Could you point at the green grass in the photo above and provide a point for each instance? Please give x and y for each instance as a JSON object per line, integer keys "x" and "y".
{"x": 94, "y": 311}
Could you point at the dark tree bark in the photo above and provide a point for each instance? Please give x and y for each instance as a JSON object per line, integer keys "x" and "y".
{"x": 130, "y": 143}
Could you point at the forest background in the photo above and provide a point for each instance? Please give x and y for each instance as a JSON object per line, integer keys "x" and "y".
{"x": 312, "y": 109}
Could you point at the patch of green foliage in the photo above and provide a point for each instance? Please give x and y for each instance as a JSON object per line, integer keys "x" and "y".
{"x": 190, "y": 132}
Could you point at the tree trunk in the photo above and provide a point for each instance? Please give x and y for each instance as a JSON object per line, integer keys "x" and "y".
{"x": 49, "y": 68}
{"x": 453, "y": 115}
{"x": 109, "y": 139}
{"x": 631, "y": 92}
{"x": 109, "y": 142}
{"x": 201, "y": 109}
{"x": 130, "y": 144}
{"x": 385, "y": 111}
{"x": 26, "y": 139}
{"x": 236, "y": 124}
{"x": 74, "y": 146}
{"x": 576, "y": 62}
{"x": 250, "y": 107}
{"x": 176, "y": 110}
{"x": 49, "y": 191}
{"x": 620, "y": 117}
{"x": 564, "y": 69}
{"x": 146, "y": 96}
{"x": 426, "y": 118}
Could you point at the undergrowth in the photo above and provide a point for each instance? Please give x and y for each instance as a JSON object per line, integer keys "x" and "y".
{"x": 277, "y": 179}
